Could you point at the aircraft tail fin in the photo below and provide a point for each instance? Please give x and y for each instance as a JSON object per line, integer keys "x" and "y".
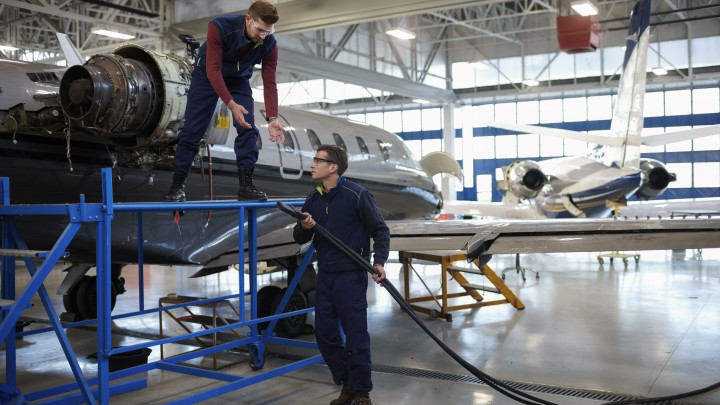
{"x": 627, "y": 119}
{"x": 72, "y": 55}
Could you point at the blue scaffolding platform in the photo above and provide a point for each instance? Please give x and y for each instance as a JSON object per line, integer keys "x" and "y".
{"x": 102, "y": 214}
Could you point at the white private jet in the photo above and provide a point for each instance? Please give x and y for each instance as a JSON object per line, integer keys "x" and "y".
{"x": 592, "y": 185}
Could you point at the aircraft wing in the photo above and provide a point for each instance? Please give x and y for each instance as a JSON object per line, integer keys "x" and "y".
{"x": 480, "y": 238}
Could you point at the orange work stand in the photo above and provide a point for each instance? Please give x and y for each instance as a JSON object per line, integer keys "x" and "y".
{"x": 446, "y": 259}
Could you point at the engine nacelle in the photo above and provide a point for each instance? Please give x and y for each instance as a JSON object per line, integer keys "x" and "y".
{"x": 524, "y": 178}
{"x": 656, "y": 178}
{"x": 132, "y": 92}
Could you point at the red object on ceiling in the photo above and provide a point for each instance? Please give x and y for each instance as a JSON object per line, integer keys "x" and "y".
{"x": 577, "y": 33}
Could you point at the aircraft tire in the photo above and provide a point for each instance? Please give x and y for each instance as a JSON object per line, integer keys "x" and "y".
{"x": 86, "y": 297}
{"x": 293, "y": 326}
{"x": 264, "y": 300}
{"x": 70, "y": 301}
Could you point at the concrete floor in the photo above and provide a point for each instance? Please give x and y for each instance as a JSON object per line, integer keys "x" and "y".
{"x": 646, "y": 330}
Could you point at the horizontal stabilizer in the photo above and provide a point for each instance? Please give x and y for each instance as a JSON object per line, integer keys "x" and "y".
{"x": 563, "y": 133}
{"x": 679, "y": 136}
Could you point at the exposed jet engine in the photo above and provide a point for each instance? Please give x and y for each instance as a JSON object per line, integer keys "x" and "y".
{"x": 524, "y": 178}
{"x": 656, "y": 178}
{"x": 130, "y": 94}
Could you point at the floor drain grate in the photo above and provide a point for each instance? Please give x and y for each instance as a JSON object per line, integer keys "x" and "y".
{"x": 544, "y": 389}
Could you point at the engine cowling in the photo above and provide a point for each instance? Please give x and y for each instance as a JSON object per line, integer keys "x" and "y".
{"x": 656, "y": 178}
{"x": 132, "y": 92}
{"x": 524, "y": 178}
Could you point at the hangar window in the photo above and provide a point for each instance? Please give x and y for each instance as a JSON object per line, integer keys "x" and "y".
{"x": 384, "y": 150}
{"x": 314, "y": 139}
{"x": 339, "y": 141}
{"x": 363, "y": 147}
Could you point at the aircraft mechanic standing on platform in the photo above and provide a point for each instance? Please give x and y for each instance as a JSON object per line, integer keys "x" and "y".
{"x": 225, "y": 64}
{"x": 349, "y": 212}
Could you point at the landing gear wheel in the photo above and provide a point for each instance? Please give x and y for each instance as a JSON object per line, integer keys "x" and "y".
{"x": 70, "y": 301}
{"x": 600, "y": 260}
{"x": 264, "y": 300}
{"x": 292, "y": 326}
{"x": 625, "y": 261}
{"x": 637, "y": 259}
{"x": 257, "y": 358}
{"x": 86, "y": 299}
{"x": 434, "y": 314}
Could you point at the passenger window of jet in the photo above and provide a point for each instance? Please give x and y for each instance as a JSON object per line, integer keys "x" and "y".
{"x": 363, "y": 147}
{"x": 383, "y": 150}
{"x": 289, "y": 144}
{"x": 339, "y": 141}
{"x": 314, "y": 139}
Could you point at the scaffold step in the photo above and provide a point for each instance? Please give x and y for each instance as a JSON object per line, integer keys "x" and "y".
{"x": 208, "y": 320}
{"x": 481, "y": 288}
{"x": 472, "y": 270}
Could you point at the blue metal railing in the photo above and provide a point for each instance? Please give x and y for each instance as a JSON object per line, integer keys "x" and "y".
{"x": 102, "y": 215}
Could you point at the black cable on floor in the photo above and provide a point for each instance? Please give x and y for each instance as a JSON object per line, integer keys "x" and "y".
{"x": 492, "y": 382}
{"x": 499, "y": 386}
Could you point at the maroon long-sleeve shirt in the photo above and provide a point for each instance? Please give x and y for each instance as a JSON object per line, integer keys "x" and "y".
{"x": 214, "y": 71}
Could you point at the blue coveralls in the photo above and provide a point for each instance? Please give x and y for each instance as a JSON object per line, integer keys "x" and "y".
{"x": 202, "y": 98}
{"x": 348, "y": 212}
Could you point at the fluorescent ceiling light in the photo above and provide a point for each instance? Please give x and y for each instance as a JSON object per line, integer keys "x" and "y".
{"x": 400, "y": 33}
{"x": 112, "y": 34}
{"x": 584, "y": 7}
{"x": 328, "y": 100}
{"x": 659, "y": 71}
{"x": 8, "y": 48}
{"x": 479, "y": 65}
{"x": 420, "y": 101}
{"x": 530, "y": 82}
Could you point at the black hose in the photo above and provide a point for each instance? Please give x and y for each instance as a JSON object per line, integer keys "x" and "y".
{"x": 492, "y": 382}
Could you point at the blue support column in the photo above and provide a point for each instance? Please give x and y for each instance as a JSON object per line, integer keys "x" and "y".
{"x": 7, "y": 283}
{"x": 104, "y": 291}
{"x": 241, "y": 278}
{"x": 141, "y": 272}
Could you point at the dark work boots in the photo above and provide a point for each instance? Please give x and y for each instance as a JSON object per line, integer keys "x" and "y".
{"x": 347, "y": 395}
{"x": 177, "y": 189}
{"x": 362, "y": 398}
{"x": 247, "y": 188}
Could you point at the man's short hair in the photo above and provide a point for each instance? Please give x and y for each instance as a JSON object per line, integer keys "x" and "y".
{"x": 264, "y": 11}
{"x": 337, "y": 155}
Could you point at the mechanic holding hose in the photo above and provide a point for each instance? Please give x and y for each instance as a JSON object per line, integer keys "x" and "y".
{"x": 349, "y": 212}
